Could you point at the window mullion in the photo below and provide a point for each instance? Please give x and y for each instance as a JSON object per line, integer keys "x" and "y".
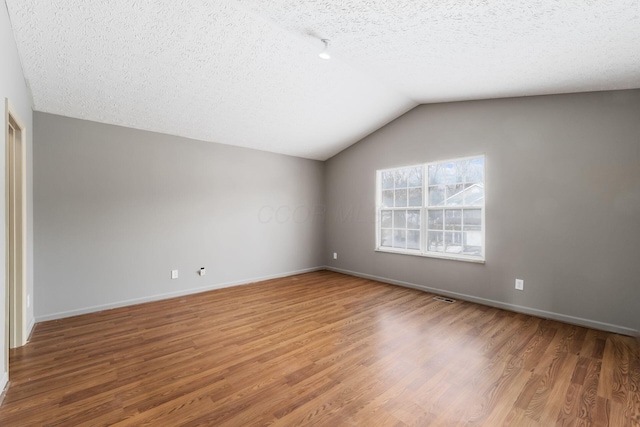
{"x": 425, "y": 209}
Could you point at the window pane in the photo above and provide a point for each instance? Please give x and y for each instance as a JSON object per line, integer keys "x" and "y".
{"x": 385, "y": 238}
{"x": 415, "y": 197}
{"x": 387, "y": 198}
{"x": 453, "y": 242}
{"x": 472, "y": 243}
{"x": 413, "y": 239}
{"x": 436, "y": 174}
{"x": 436, "y": 241}
{"x": 476, "y": 170}
{"x": 415, "y": 177}
{"x": 463, "y": 170}
{"x": 435, "y": 220}
{"x": 474, "y": 194}
{"x": 453, "y": 219}
{"x": 401, "y": 198}
{"x": 399, "y": 239}
{"x": 385, "y": 219}
{"x": 436, "y": 196}
{"x": 472, "y": 220}
{"x": 399, "y": 219}
{"x": 450, "y": 173}
{"x": 413, "y": 220}
{"x": 401, "y": 176}
{"x": 387, "y": 180}
{"x": 455, "y": 195}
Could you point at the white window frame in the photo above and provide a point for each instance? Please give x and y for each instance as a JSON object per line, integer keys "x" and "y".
{"x": 424, "y": 212}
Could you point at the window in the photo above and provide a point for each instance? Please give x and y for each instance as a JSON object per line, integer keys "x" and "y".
{"x": 435, "y": 209}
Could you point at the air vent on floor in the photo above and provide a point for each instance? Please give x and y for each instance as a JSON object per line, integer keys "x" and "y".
{"x": 443, "y": 299}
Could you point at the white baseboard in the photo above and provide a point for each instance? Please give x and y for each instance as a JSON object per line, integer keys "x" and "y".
{"x": 594, "y": 324}
{"x": 30, "y": 326}
{"x": 4, "y": 380}
{"x": 159, "y": 297}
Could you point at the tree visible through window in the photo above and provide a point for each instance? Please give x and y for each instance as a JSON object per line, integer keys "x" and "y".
{"x": 436, "y": 209}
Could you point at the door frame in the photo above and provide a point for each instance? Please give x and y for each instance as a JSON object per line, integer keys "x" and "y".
{"x": 16, "y": 232}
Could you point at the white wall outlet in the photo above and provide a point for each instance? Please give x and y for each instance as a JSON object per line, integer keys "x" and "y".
{"x": 201, "y": 271}
{"x": 335, "y": 255}
{"x": 174, "y": 274}
{"x": 28, "y": 300}
{"x": 520, "y": 284}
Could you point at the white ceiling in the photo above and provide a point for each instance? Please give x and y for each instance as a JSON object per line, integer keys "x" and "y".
{"x": 246, "y": 72}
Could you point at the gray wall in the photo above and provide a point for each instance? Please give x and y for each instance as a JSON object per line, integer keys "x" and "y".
{"x": 116, "y": 209}
{"x": 12, "y": 86}
{"x": 562, "y": 203}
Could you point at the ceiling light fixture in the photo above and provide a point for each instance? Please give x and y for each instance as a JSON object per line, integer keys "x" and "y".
{"x": 325, "y": 52}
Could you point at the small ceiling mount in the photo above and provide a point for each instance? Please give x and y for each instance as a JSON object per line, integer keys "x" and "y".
{"x": 325, "y": 52}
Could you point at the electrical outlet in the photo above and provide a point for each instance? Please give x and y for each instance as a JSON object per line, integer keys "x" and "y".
{"x": 520, "y": 284}
{"x": 335, "y": 255}
{"x": 174, "y": 274}
{"x": 201, "y": 271}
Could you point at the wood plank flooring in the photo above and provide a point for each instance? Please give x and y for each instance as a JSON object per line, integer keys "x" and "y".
{"x": 320, "y": 349}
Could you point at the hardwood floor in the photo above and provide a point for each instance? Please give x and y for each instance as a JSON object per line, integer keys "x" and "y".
{"x": 320, "y": 349}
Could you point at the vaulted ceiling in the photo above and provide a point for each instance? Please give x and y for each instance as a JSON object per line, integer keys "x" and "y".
{"x": 247, "y": 72}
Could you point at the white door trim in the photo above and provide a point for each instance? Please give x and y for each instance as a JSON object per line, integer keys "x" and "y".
{"x": 16, "y": 231}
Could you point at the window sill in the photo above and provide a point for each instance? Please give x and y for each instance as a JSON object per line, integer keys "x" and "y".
{"x": 451, "y": 257}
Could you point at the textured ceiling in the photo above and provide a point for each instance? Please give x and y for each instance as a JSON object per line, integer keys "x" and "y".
{"x": 246, "y": 72}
